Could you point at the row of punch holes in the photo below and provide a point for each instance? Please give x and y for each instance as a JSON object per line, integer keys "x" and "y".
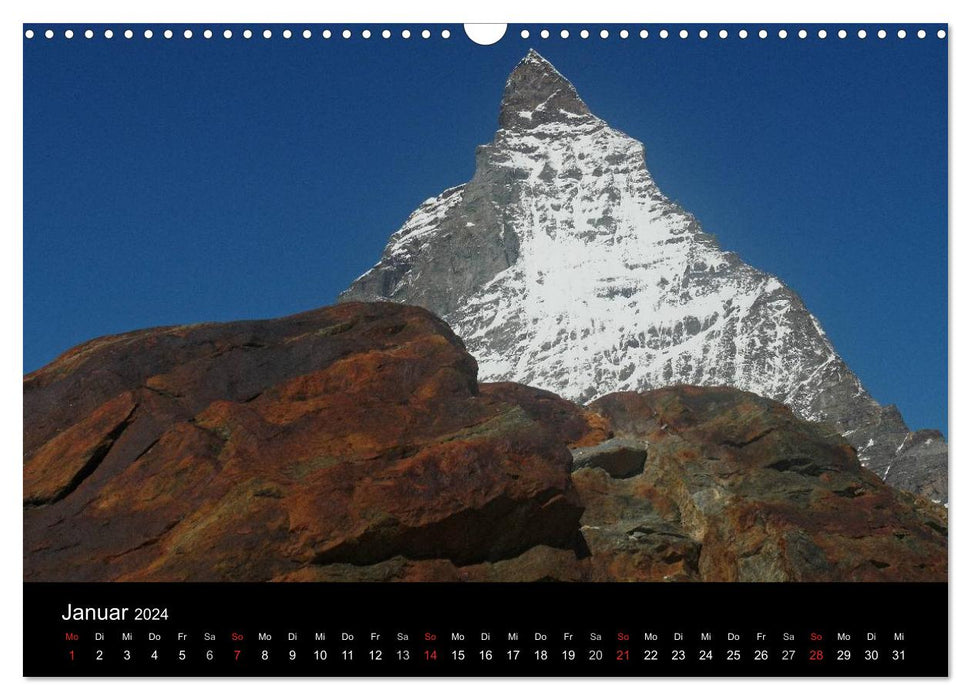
{"x": 446, "y": 34}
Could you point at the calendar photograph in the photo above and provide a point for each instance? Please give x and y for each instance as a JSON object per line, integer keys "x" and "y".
{"x": 320, "y": 306}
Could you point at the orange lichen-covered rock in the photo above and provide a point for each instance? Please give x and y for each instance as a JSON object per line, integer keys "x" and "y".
{"x": 762, "y": 495}
{"x": 352, "y": 443}
{"x": 246, "y": 451}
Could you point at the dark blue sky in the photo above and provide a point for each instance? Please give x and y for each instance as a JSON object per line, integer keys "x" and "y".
{"x": 176, "y": 181}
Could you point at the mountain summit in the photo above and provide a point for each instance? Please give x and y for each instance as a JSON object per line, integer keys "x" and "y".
{"x": 536, "y": 93}
{"x": 562, "y": 265}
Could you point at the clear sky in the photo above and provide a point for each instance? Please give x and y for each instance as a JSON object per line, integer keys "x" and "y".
{"x": 177, "y": 181}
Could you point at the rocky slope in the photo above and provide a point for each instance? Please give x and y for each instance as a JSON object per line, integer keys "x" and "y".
{"x": 563, "y": 266}
{"x": 354, "y": 443}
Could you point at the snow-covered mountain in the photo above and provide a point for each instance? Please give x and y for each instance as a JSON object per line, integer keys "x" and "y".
{"x": 563, "y": 266}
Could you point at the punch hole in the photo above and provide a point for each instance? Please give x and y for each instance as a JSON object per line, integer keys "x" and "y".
{"x": 69, "y": 34}
{"x": 485, "y": 34}
{"x": 624, "y": 34}
{"x": 287, "y": 34}
{"x": 29, "y": 34}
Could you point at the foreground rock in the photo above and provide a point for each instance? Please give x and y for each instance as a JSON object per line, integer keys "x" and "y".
{"x": 353, "y": 443}
{"x": 714, "y": 484}
{"x": 737, "y": 488}
{"x": 246, "y": 451}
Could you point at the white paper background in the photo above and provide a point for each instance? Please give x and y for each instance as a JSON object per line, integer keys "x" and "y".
{"x": 196, "y": 11}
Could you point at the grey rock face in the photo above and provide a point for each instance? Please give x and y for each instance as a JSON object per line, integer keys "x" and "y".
{"x": 618, "y": 457}
{"x": 920, "y": 464}
{"x": 562, "y": 265}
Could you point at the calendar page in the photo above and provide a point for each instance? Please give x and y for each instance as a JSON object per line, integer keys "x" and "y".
{"x": 515, "y": 350}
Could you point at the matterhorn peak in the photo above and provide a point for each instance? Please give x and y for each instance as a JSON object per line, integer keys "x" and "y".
{"x": 562, "y": 265}
{"x": 536, "y": 93}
